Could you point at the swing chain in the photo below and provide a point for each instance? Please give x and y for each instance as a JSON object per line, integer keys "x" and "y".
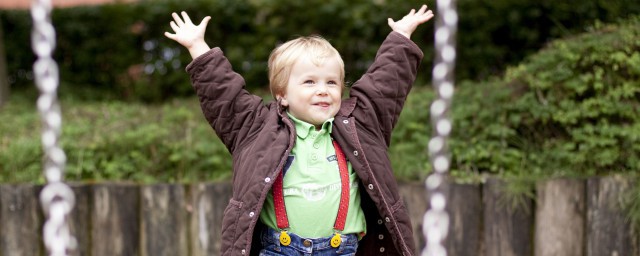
{"x": 57, "y": 199}
{"x": 436, "y": 219}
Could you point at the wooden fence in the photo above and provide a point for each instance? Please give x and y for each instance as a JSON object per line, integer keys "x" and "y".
{"x": 569, "y": 217}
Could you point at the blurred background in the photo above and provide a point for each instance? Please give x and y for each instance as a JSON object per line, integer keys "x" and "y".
{"x": 544, "y": 88}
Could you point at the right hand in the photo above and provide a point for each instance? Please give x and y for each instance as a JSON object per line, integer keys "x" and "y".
{"x": 188, "y": 34}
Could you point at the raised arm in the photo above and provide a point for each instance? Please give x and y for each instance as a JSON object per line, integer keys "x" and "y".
{"x": 410, "y": 22}
{"x": 383, "y": 89}
{"x": 188, "y": 34}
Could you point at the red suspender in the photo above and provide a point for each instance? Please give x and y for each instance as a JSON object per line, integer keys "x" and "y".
{"x": 341, "y": 218}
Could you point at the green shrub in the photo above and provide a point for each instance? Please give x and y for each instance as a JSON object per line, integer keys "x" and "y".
{"x": 116, "y": 141}
{"x": 579, "y": 99}
{"x": 570, "y": 109}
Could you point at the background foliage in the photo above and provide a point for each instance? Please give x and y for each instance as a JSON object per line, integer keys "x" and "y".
{"x": 571, "y": 109}
{"x": 120, "y": 48}
{"x": 115, "y": 141}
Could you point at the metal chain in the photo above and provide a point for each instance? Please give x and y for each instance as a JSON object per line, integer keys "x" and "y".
{"x": 436, "y": 219}
{"x": 56, "y": 198}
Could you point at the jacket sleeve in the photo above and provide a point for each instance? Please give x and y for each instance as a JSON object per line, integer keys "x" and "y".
{"x": 383, "y": 89}
{"x": 225, "y": 102}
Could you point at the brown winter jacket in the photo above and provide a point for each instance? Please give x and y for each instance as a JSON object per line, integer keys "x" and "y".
{"x": 260, "y": 137}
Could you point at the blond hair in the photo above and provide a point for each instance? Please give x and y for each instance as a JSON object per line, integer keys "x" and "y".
{"x": 284, "y": 56}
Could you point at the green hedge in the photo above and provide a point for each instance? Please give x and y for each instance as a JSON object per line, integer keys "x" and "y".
{"x": 570, "y": 109}
{"x": 115, "y": 141}
{"x": 120, "y": 48}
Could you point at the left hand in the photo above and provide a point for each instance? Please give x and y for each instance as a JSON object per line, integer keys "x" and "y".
{"x": 410, "y": 22}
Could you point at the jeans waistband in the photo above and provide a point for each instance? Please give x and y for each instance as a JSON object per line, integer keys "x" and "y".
{"x": 307, "y": 245}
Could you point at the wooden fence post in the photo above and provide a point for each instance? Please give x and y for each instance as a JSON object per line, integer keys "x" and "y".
{"x": 508, "y": 229}
{"x": 560, "y": 218}
{"x": 163, "y": 220}
{"x": 115, "y": 223}
{"x": 608, "y": 231}
{"x": 465, "y": 220}
{"x": 80, "y": 219}
{"x": 415, "y": 198}
{"x": 206, "y": 203}
{"x": 20, "y": 220}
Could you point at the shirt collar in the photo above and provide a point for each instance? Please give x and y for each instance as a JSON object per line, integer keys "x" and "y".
{"x": 303, "y": 128}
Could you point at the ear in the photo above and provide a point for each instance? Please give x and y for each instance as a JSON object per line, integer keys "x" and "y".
{"x": 283, "y": 101}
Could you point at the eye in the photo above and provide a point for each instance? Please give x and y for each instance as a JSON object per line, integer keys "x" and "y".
{"x": 332, "y": 82}
{"x": 308, "y": 82}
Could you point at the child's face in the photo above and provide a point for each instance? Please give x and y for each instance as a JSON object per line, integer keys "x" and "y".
{"x": 314, "y": 92}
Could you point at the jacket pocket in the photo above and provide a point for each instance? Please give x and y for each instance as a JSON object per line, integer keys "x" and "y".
{"x": 230, "y": 220}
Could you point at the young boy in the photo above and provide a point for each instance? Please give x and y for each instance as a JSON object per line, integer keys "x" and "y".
{"x": 311, "y": 171}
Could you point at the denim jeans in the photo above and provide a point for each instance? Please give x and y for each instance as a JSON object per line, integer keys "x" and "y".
{"x": 306, "y": 246}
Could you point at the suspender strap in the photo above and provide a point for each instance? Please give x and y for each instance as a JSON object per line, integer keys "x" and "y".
{"x": 343, "y": 208}
{"x": 278, "y": 202}
{"x": 341, "y": 218}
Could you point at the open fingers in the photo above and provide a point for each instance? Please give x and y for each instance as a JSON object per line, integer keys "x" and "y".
{"x": 177, "y": 19}
{"x": 186, "y": 18}
{"x": 422, "y": 9}
{"x": 174, "y": 26}
{"x": 170, "y": 36}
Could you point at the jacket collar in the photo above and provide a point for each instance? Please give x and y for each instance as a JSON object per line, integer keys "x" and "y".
{"x": 347, "y": 106}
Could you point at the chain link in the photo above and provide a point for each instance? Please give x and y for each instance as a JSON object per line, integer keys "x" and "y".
{"x": 436, "y": 219}
{"x": 56, "y": 198}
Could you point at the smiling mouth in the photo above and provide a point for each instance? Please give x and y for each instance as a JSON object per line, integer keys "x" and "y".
{"x": 322, "y": 104}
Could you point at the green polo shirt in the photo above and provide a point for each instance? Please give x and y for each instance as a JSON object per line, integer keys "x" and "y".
{"x": 312, "y": 186}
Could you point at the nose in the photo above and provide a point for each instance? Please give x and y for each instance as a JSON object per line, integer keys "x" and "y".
{"x": 322, "y": 89}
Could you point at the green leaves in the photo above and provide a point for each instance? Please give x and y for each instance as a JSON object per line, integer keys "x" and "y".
{"x": 117, "y": 141}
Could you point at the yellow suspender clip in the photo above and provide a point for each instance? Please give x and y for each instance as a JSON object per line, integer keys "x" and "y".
{"x": 336, "y": 240}
{"x": 285, "y": 239}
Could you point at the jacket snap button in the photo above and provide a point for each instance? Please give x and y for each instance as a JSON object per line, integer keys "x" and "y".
{"x": 381, "y": 249}
{"x": 346, "y": 121}
{"x": 387, "y": 219}
{"x": 370, "y": 186}
{"x": 355, "y": 153}
{"x": 244, "y": 251}
{"x": 267, "y": 179}
{"x": 251, "y": 214}
{"x": 381, "y": 236}
{"x": 380, "y": 222}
